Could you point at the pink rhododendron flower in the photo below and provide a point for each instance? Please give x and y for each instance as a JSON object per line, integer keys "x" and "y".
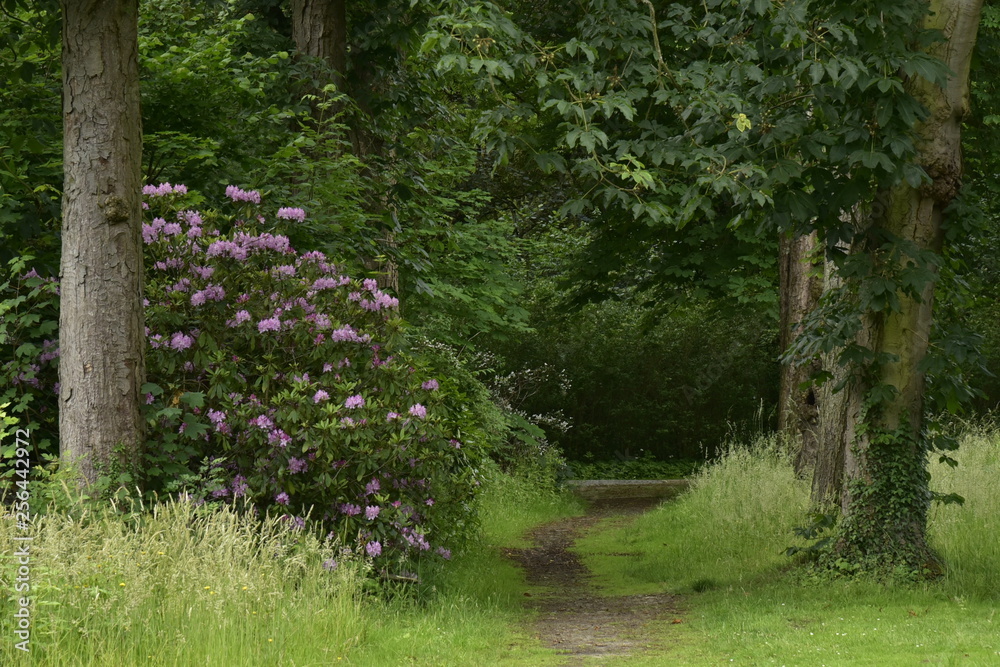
{"x": 236, "y": 194}
{"x": 270, "y": 324}
{"x": 292, "y": 214}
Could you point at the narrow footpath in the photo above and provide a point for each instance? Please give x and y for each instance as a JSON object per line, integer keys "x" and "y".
{"x": 589, "y": 628}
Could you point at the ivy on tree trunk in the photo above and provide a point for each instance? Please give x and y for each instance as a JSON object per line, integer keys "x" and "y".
{"x": 885, "y": 494}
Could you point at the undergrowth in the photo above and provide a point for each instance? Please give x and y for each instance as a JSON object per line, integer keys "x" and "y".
{"x": 644, "y": 467}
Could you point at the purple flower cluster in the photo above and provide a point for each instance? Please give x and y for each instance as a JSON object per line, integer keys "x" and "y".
{"x": 236, "y": 194}
{"x": 292, "y": 214}
{"x": 262, "y": 421}
{"x": 163, "y": 189}
{"x": 239, "y": 318}
{"x": 278, "y": 438}
{"x": 210, "y": 293}
{"x": 270, "y": 324}
{"x": 181, "y": 341}
{"x": 203, "y": 272}
{"x": 240, "y": 486}
{"x": 415, "y": 539}
{"x": 50, "y": 351}
{"x": 347, "y": 333}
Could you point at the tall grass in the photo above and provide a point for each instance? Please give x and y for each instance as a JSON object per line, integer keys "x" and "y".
{"x": 966, "y": 536}
{"x": 180, "y": 586}
{"x": 733, "y": 524}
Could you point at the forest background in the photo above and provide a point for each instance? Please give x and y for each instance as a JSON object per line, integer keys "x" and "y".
{"x": 599, "y": 289}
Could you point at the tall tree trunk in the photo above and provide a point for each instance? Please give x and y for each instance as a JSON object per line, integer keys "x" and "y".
{"x": 885, "y": 493}
{"x": 799, "y": 290}
{"x": 101, "y": 333}
{"x": 319, "y": 29}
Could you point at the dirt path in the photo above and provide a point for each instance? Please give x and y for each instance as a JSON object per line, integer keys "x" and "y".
{"x": 589, "y": 628}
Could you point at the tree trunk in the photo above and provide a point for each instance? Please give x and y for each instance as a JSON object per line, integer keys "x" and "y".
{"x": 319, "y": 29}
{"x": 799, "y": 290}
{"x": 101, "y": 332}
{"x": 885, "y": 493}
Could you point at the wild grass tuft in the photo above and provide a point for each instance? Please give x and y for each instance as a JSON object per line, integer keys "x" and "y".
{"x": 966, "y": 535}
{"x": 732, "y": 526}
{"x": 180, "y": 585}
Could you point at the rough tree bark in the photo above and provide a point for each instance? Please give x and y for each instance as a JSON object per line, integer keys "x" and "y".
{"x": 101, "y": 333}
{"x": 319, "y": 29}
{"x": 884, "y": 496}
{"x": 799, "y": 288}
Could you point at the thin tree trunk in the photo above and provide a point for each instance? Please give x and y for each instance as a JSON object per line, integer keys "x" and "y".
{"x": 885, "y": 493}
{"x": 319, "y": 29}
{"x": 799, "y": 290}
{"x": 101, "y": 333}
{"x": 839, "y": 411}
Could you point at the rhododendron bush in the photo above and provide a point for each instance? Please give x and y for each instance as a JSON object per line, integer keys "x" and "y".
{"x": 289, "y": 377}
